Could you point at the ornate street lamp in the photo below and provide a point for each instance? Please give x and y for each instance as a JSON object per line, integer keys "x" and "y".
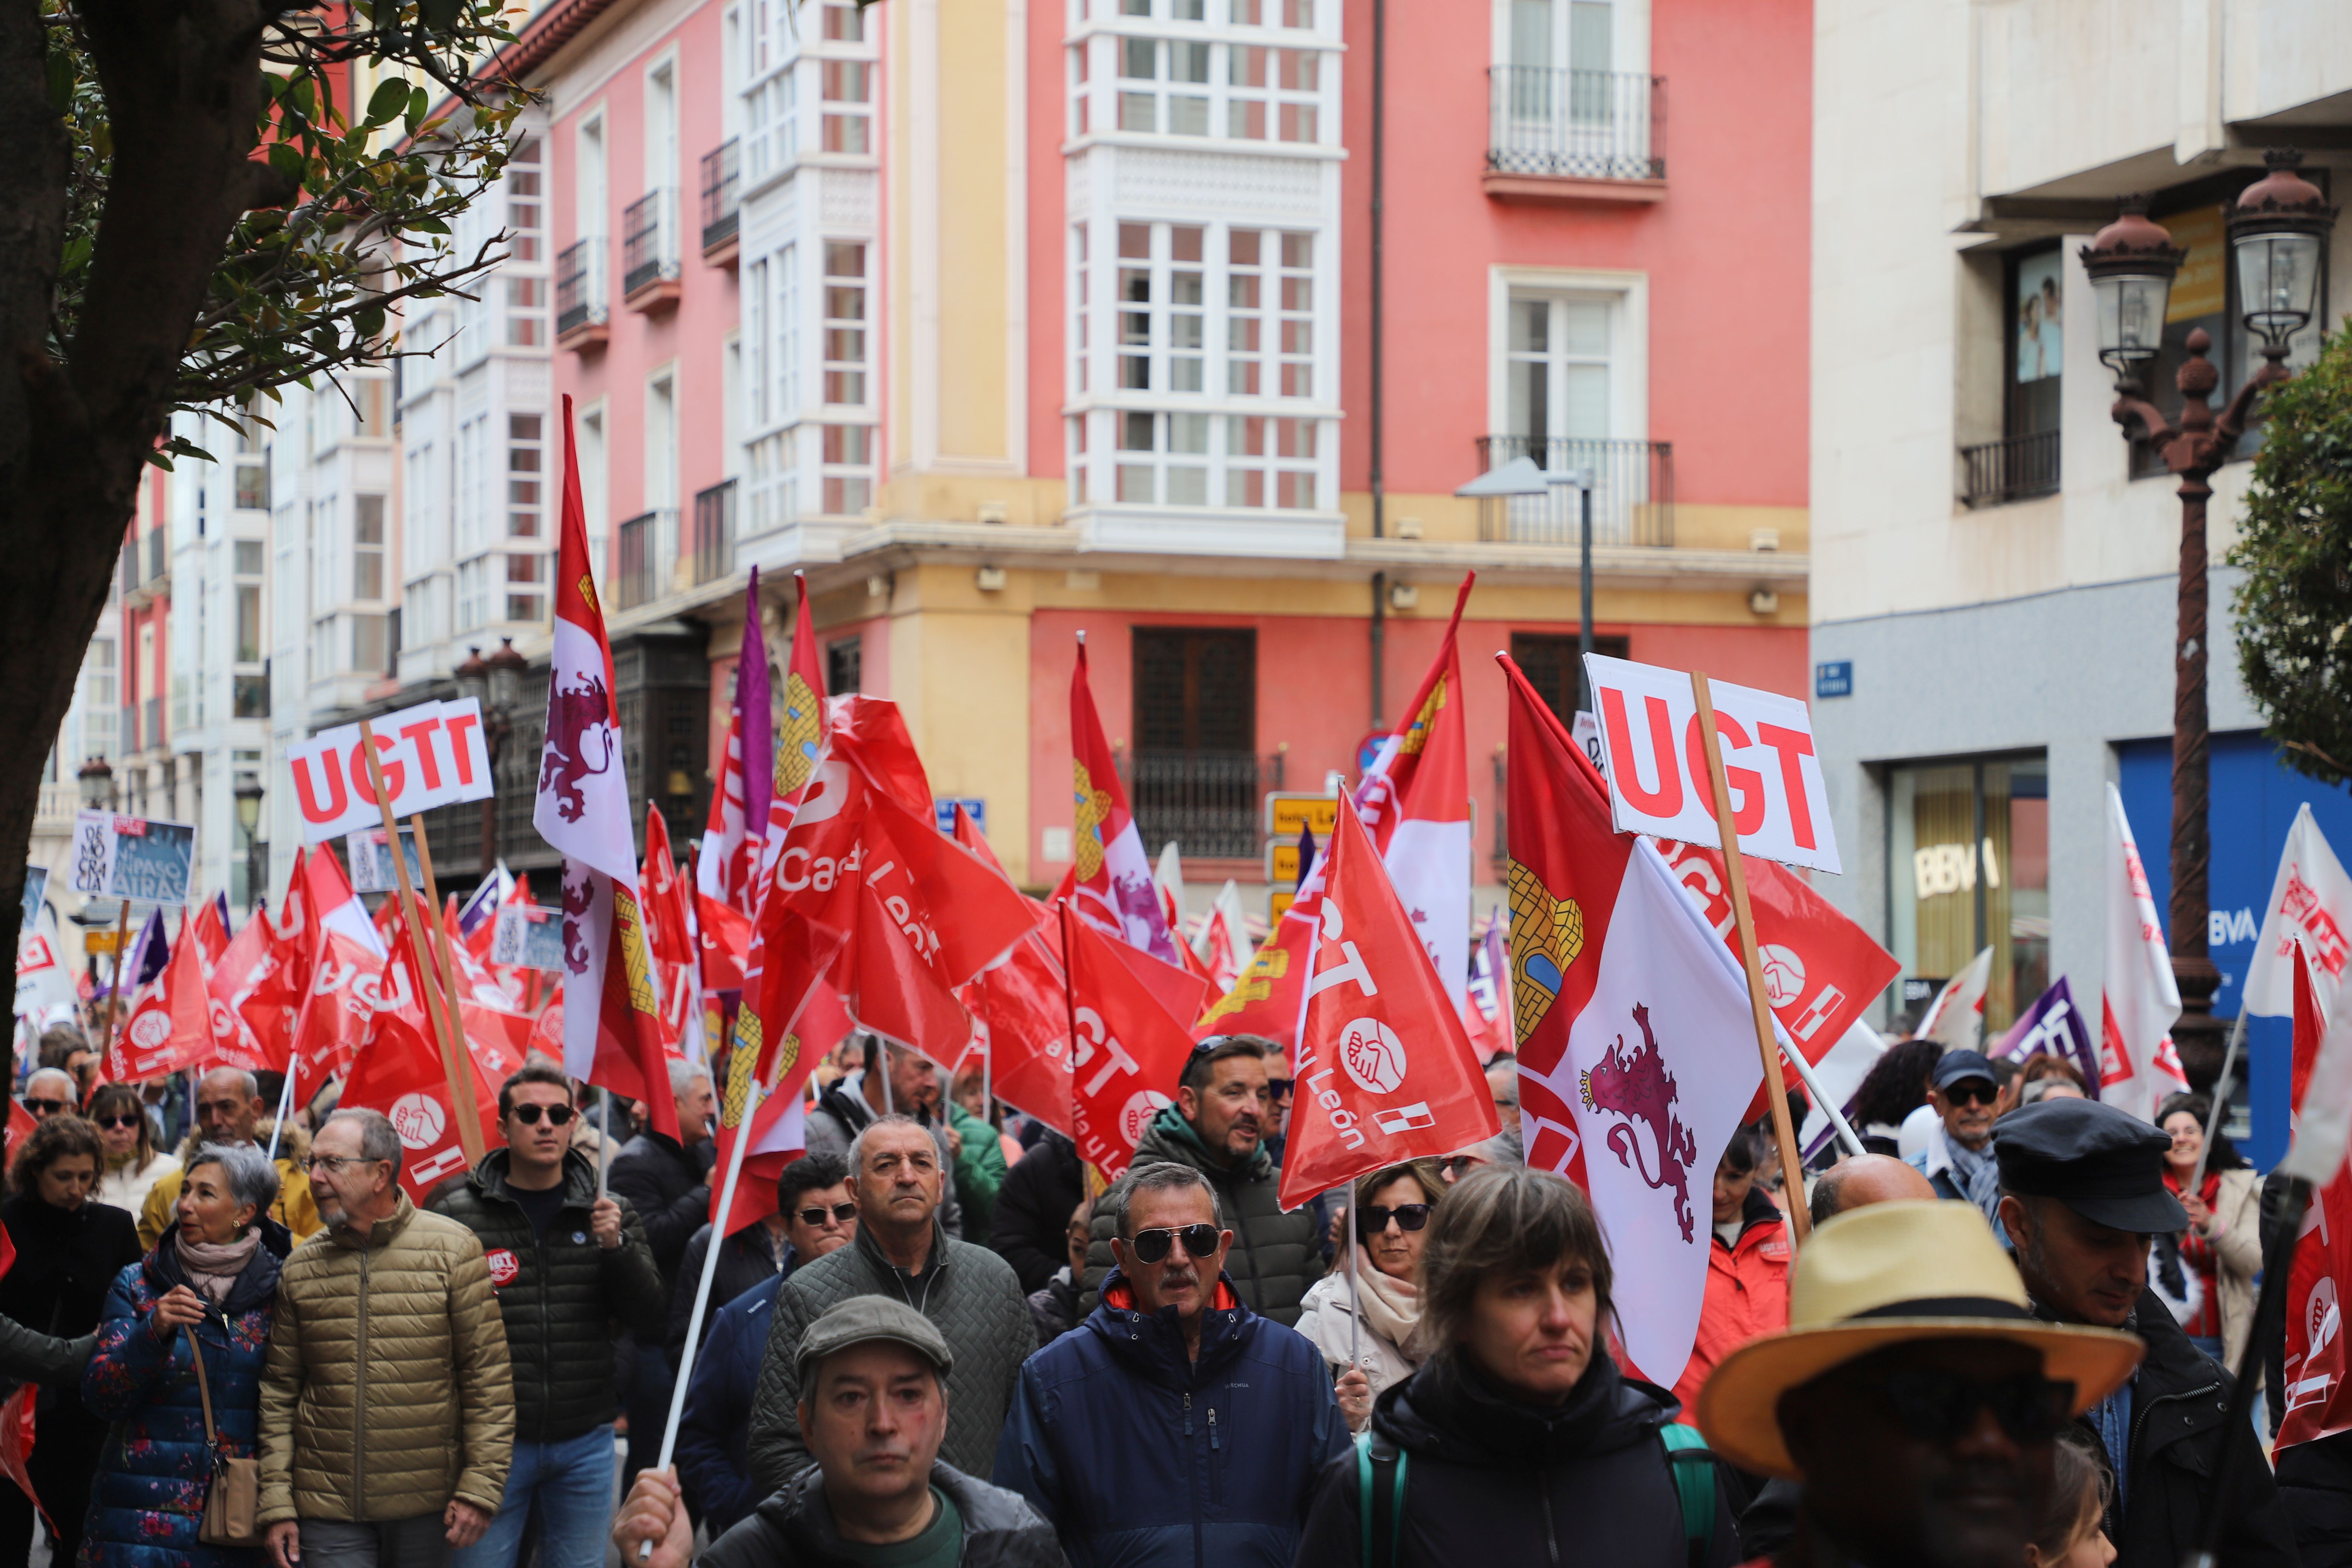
{"x": 248, "y": 817}
{"x": 2278, "y": 230}
{"x": 97, "y": 780}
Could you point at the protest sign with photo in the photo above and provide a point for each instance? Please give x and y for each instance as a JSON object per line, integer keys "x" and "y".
{"x": 371, "y": 860}
{"x": 132, "y": 857}
{"x": 528, "y": 936}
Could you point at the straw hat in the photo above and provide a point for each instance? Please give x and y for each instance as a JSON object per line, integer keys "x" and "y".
{"x": 1883, "y": 1274}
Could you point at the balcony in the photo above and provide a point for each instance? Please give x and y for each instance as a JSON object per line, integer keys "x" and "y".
{"x": 722, "y": 189}
{"x": 1633, "y": 492}
{"x": 1571, "y": 135}
{"x": 649, "y": 266}
{"x": 1212, "y": 804}
{"x": 584, "y": 307}
{"x": 2014, "y": 469}
{"x": 714, "y": 532}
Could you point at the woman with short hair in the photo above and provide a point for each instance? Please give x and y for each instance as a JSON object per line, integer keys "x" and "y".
{"x": 1518, "y": 1440}
{"x": 69, "y": 1247}
{"x": 209, "y": 1288}
{"x": 1372, "y": 1319}
{"x": 133, "y": 1165}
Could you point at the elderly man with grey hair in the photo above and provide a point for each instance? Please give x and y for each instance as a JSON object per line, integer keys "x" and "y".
{"x": 1172, "y": 1379}
{"x": 229, "y": 1111}
{"x": 900, "y": 1251}
{"x": 387, "y": 1401}
{"x": 667, "y": 1181}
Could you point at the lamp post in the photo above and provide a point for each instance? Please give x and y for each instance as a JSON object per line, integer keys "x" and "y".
{"x": 2278, "y": 230}
{"x": 248, "y": 817}
{"x": 97, "y": 782}
{"x": 496, "y": 683}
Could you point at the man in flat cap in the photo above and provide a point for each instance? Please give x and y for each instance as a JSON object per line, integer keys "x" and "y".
{"x": 1958, "y": 1161}
{"x": 2082, "y": 1191}
{"x": 873, "y": 1380}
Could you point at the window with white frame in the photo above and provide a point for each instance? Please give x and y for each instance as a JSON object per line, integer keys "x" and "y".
{"x": 367, "y": 547}
{"x": 771, "y": 127}
{"x": 1204, "y": 87}
{"x": 473, "y": 437}
{"x": 845, "y": 323}
{"x": 788, "y": 331}
{"x": 595, "y": 486}
{"x": 526, "y": 485}
{"x": 768, "y": 484}
{"x": 846, "y": 90}
{"x": 755, "y": 333}
{"x": 661, "y": 441}
{"x": 1560, "y": 365}
{"x": 1198, "y": 307}
{"x": 526, "y": 588}
{"x": 847, "y": 469}
{"x": 526, "y": 208}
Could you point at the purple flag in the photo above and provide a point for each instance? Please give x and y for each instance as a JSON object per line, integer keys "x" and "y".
{"x": 752, "y": 700}
{"x": 148, "y": 952}
{"x": 2053, "y": 1025}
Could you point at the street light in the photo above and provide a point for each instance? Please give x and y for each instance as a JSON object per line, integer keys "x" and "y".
{"x": 97, "y": 782}
{"x": 248, "y": 817}
{"x": 2278, "y": 229}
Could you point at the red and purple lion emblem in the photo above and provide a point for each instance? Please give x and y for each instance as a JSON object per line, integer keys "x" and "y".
{"x": 1637, "y": 1087}
{"x": 575, "y": 710}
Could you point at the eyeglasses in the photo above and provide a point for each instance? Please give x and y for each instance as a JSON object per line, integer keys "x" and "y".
{"x": 1276, "y": 1087}
{"x": 44, "y": 1107}
{"x": 1151, "y": 1246}
{"x": 1941, "y": 1407}
{"x": 842, "y": 1212}
{"x": 334, "y": 1162}
{"x": 1409, "y": 1216}
{"x": 557, "y": 1115}
{"x": 131, "y": 1121}
{"x": 1973, "y": 1092}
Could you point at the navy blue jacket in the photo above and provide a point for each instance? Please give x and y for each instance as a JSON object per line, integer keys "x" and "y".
{"x": 715, "y": 1434}
{"x": 1143, "y": 1458}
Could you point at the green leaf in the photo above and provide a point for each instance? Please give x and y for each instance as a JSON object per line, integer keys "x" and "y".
{"x": 390, "y": 98}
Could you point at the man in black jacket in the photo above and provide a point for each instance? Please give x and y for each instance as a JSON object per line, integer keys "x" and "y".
{"x": 2082, "y": 1190}
{"x": 1033, "y": 1211}
{"x": 566, "y": 1264}
{"x": 668, "y": 1182}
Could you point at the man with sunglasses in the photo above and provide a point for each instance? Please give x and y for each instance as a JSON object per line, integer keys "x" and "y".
{"x": 1958, "y": 1161}
{"x": 1913, "y": 1395}
{"x": 2081, "y": 1192}
{"x": 1175, "y": 1425}
{"x": 567, "y": 1265}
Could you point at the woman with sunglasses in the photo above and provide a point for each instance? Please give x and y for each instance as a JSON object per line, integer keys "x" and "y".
{"x": 133, "y": 1163}
{"x": 1393, "y": 1208}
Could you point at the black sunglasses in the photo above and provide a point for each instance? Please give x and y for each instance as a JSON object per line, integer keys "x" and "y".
{"x": 1276, "y": 1088}
{"x": 1409, "y": 1216}
{"x": 557, "y": 1115}
{"x": 1941, "y": 1407}
{"x": 120, "y": 1121}
{"x": 1151, "y": 1246}
{"x": 1973, "y": 1092}
{"x": 815, "y": 1214}
{"x": 44, "y": 1107}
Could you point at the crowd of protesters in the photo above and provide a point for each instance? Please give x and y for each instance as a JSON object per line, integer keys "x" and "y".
{"x": 2004, "y": 1344}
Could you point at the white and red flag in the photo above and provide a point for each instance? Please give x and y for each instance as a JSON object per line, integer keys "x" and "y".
{"x": 1222, "y": 943}
{"x": 1637, "y": 1053}
{"x": 670, "y": 937}
{"x": 1385, "y": 1073}
{"x": 1129, "y": 1050}
{"x": 1954, "y": 1019}
{"x": 800, "y": 745}
{"x": 612, "y": 1028}
{"x": 1021, "y": 1015}
{"x": 1112, "y": 884}
{"x": 2311, "y": 901}
{"x": 1415, "y": 803}
{"x": 2138, "y": 1065}
{"x": 779, "y": 1135}
{"x": 728, "y": 855}
{"x": 2321, "y": 1270}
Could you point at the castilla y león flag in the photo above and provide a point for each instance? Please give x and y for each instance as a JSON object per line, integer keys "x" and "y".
{"x": 1637, "y": 1047}
{"x": 1111, "y": 882}
{"x": 2321, "y": 1270}
{"x": 1385, "y": 1072}
{"x": 1019, "y": 1006}
{"x": 612, "y": 1035}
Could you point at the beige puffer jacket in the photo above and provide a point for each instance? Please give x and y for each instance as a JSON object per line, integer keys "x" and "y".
{"x": 387, "y": 1391}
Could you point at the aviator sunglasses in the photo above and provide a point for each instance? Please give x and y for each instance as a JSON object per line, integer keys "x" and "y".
{"x": 557, "y": 1115}
{"x": 1151, "y": 1246}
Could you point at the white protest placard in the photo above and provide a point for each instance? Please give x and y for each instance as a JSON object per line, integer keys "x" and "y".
{"x": 370, "y": 860}
{"x": 528, "y": 936}
{"x": 1656, "y": 762}
{"x": 431, "y": 754}
{"x": 132, "y": 857}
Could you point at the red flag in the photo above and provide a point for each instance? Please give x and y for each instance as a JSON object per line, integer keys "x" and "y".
{"x": 1820, "y": 969}
{"x": 1128, "y": 1047}
{"x": 1110, "y": 885}
{"x": 203, "y": 922}
{"x": 8, "y": 1251}
{"x": 259, "y": 980}
{"x": 1636, "y": 1042}
{"x": 779, "y": 1136}
{"x": 1023, "y": 1015}
{"x": 612, "y": 1025}
{"x": 1264, "y": 1001}
{"x": 20, "y": 1124}
{"x": 17, "y": 1445}
{"x": 2314, "y": 1368}
{"x": 170, "y": 1025}
{"x": 667, "y": 932}
{"x": 1385, "y": 1073}
{"x": 400, "y": 1074}
{"x": 724, "y": 934}
{"x": 348, "y": 985}
{"x": 729, "y": 855}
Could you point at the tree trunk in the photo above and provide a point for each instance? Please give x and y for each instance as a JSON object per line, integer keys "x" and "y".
{"x": 182, "y": 81}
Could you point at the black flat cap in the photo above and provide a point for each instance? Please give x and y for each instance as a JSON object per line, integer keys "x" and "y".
{"x": 1952, "y": 1067}
{"x": 2105, "y": 1164}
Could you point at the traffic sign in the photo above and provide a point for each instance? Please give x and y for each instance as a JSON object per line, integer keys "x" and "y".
{"x": 101, "y": 940}
{"x": 1278, "y": 904}
{"x": 1286, "y": 814}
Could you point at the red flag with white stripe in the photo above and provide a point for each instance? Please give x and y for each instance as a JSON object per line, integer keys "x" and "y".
{"x": 1018, "y": 1004}
{"x": 611, "y": 1031}
{"x": 1129, "y": 1052}
{"x": 1111, "y": 885}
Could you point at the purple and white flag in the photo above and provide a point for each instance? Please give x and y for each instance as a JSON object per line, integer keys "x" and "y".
{"x": 2053, "y": 1025}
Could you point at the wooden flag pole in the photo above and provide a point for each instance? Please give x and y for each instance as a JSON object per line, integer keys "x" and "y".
{"x": 469, "y": 1127}
{"x": 470, "y": 1114}
{"x": 1792, "y": 1165}
{"x": 114, "y": 987}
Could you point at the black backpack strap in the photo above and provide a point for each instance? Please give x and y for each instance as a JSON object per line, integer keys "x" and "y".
{"x": 1380, "y": 1492}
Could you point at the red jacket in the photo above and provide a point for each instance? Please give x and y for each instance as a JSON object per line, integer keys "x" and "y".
{"x": 1746, "y": 1295}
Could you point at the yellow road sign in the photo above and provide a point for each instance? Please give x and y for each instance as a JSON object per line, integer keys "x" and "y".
{"x": 100, "y": 941}
{"x": 1286, "y": 814}
{"x": 1276, "y": 905}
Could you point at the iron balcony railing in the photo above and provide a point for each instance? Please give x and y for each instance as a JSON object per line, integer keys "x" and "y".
{"x": 2013, "y": 469}
{"x": 714, "y": 532}
{"x": 1212, "y": 803}
{"x": 1632, "y": 491}
{"x": 721, "y": 196}
{"x": 579, "y": 295}
{"x": 1584, "y": 125}
{"x": 649, "y": 239}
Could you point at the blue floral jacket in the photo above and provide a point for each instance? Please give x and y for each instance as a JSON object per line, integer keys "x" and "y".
{"x": 148, "y": 1498}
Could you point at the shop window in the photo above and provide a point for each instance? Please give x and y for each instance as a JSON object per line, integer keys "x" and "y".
{"x": 1969, "y": 868}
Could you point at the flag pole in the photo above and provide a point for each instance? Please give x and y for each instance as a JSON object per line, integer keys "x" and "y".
{"x": 742, "y": 1078}
{"x": 285, "y": 1105}
{"x": 1792, "y": 1165}
{"x": 440, "y": 938}
{"x": 114, "y": 985}
{"x": 2221, "y": 1092}
{"x": 469, "y": 1127}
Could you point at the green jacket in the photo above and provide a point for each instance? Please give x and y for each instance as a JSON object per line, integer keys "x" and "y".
{"x": 1274, "y": 1257}
{"x": 979, "y": 1168}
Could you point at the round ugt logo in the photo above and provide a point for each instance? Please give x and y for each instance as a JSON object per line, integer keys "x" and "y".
{"x": 1374, "y": 1056}
{"x": 419, "y": 1120}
